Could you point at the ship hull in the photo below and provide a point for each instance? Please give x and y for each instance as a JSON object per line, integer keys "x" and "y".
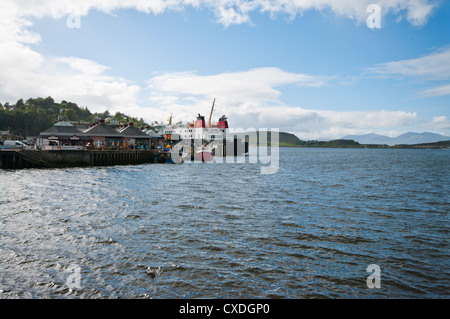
{"x": 204, "y": 156}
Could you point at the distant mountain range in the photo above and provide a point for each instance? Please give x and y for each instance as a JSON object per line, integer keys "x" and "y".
{"x": 372, "y": 140}
{"x": 407, "y": 138}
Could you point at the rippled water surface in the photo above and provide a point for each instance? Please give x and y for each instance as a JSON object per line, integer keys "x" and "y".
{"x": 227, "y": 231}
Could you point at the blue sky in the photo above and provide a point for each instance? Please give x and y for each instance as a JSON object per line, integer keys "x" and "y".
{"x": 316, "y": 71}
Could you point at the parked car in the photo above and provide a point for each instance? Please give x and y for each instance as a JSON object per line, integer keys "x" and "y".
{"x": 16, "y": 144}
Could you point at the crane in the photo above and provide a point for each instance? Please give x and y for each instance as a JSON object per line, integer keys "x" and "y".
{"x": 210, "y": 115}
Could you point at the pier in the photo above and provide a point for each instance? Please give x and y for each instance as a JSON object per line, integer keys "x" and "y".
{"x": 19, "y": 159}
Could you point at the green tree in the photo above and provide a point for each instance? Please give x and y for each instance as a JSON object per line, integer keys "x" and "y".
{"x": 20, "y": 105}
{"x": 71, "y": 114}
{"x": 38, "y": 114}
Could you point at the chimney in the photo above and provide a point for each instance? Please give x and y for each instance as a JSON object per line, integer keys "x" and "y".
{"x": 200, "y": 122}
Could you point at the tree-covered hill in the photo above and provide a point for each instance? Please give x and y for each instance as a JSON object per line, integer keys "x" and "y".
{"x": 35, "y": 115}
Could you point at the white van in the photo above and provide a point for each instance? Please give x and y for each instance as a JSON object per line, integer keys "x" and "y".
{"x": 15, "y": 144}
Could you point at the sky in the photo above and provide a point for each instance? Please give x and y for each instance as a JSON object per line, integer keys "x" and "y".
{"x": 319, "y": 69}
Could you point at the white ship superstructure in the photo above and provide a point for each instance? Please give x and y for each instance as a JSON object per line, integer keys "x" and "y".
{"x": 215, "y": 137}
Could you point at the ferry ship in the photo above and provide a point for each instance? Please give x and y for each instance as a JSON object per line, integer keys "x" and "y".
{"x": 204, "y": 141}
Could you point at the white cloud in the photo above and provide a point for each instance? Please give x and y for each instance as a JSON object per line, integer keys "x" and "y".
{"x": 250, "y": 97}
{"x": 437, "y": 91}
{"x": 83, "y": 65}
{"x": 440, "y": 122}
{"x": 417, "y": 11}
{"x": 314, "y": 124}
{"x": 252, "y": 85}
{"x": 229, "y": 11}
{"x": 435, "y": 66}
{"x": 432, "y": 68}
{"x": 73, "y": 79}
{"x": 26, "y": 73}
{"x": 251, "y": 100}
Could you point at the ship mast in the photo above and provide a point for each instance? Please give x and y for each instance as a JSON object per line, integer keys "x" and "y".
{"x": 210, "y": 115}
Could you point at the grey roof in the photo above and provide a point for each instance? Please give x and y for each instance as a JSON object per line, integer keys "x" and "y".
{"x": 102, "y": 129}
{"x": 62, "y": 129}
{"x": 151, "y": 133}
{"x": 133, "y": 131}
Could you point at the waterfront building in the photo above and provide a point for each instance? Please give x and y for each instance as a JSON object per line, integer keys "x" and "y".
{"x": 134, "y": 137}
{"x": 104, "y": 136}
{"x": 62, "y": 134}
{"x": 65, "y": 135}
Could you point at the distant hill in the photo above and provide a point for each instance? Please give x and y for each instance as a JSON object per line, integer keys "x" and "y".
{"x": 435, "y": 145}
{"x": 409, "y": 138}
{"x": 340, "y": 143}
{"x": 285, "y": 139}
{"x": 291, "y": 140}
{"x": 370, "y": 138}
{"x": 367, "y": 140}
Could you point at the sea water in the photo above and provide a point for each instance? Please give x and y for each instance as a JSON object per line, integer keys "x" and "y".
{"x": 224, "y": 230}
